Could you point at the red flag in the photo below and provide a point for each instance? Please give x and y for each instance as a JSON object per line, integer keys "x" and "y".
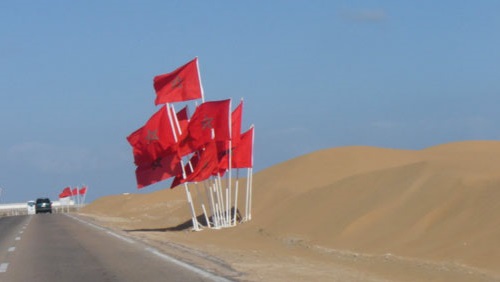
{"x": 65, "y": 193}
{"x": 210, "y": 121}
{"x": 152, "y": 141}
{"x": 180, "y": 120}
{"x": 83, "y": 190}
{"x": 188, "y": 169}
{"x": 183, "y": 146}
{"x": 176, "y": 182}
{"x": 242, "y": 156}
{"x": 236, "y": 117}
{"x": 223, "y": 146}
{"x": 157, "y": 171}
{"x": 206, "y": 166}
{"x": 183, "y": 119}
{"x": 74, "y": 192}
{"x": 242, "y": 153}
{"x": 67, "y": 190}
{"x": 182, "y": 84}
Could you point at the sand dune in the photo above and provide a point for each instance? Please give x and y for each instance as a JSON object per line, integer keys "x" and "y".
{"x": 350, "y": 213}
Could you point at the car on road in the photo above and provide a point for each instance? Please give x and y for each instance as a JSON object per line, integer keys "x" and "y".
{"x": 31, "y": 207}
{"x": 43, "y": 205}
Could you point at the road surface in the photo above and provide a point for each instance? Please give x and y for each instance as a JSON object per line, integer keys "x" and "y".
{"x": 56, "y": 247}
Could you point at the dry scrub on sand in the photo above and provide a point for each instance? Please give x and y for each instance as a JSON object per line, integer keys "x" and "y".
{"x": 343, "y": 214}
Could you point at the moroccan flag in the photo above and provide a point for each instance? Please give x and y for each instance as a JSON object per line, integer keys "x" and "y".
{"x": 163, "y": 168}
{"x": 176, "y": 182}
{"x": 182, "y": 84}
{"x": 236, "y": 117}
{"x": 65, "y": 193}
{"x": 206, "y": 166}
{"x": 83, "y": 190}
{"x": 180, "y": 120}
{"x": 242, "y": 156}
{"x": 210, "y": 121}
{"x": 223, "y": 146}
{"x": 188, "y": 169}
{"x": 152, "y": 141}
{"x": 183, "y": 119}
{"x": 242, "y": 153}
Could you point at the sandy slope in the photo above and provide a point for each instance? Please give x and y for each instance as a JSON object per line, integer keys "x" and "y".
{"x": 347, "y": 214}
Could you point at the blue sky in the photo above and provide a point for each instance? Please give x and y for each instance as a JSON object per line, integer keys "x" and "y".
{"x": 76, "y": 79}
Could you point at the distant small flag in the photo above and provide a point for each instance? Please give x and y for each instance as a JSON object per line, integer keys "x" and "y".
{"x": 65, "y": 193}
{"x": 83, "y": 190}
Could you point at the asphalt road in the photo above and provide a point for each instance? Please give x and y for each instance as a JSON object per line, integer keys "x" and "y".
{"x": 55, "y": 247}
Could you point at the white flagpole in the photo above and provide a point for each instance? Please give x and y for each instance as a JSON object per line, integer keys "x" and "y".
{"x": 215, "y": 203}
{"x": 77, "y": 197}
{"x": 218, "y": 204}
{"x": 214, "y": 206}
{"x": 228, "y": 194}
{"x": 251, "y": 175}
{"x": 188, "y": 194}
{"x": 193, "y": 213}
{"x": 236, "y": 197}
{"x": 217, "y": 200}
{"x": 85, "y": 194}
{"x": 228, "y": 198}
{"x": 250, "y": 198}
{"x": 247, "y": 201}
{"x": 206, "y": 216}
{"x": 199, "y": 78}
{"x": 176, "y": 123}
{"x": 208, "y": 192}
{"x": 220, "y": 196}
{"x": 201, "y": 200}
{"x": 230, "y": 166}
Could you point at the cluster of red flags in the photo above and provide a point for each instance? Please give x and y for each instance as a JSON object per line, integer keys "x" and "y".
{"x": 210, "y": 140}
{"x": 70, "y": 192}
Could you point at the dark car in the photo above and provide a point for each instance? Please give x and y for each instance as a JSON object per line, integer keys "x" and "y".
{"x": 43, "y": 205}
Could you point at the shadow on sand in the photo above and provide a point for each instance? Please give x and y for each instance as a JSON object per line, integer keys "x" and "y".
{"x": 188, "y": 224}
{"x": 183, "y": 226}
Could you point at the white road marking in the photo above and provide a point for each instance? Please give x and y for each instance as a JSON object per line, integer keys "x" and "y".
{"x": 120, "y": 237}
{"x": 11, "y": 249}
{"x": 130, "y": 241}
{"x": 157, "y": 253}
{"x": 3, "y": 267}
{"x": 88, "y": 223}
{"x": 18, "y": 238}
{"x": 185, "y": 265}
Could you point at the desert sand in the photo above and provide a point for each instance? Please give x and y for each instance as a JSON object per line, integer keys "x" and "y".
{"x": 343, "y": 214}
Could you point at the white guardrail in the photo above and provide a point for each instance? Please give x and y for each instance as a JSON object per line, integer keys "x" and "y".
{"x": 28, "y": 208}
